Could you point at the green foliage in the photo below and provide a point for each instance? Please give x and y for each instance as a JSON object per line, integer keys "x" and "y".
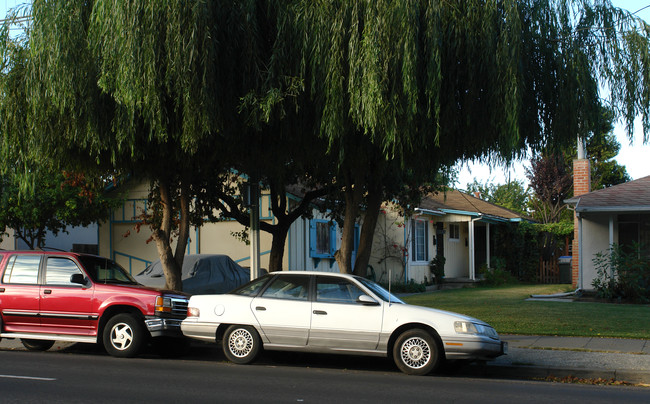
{"x": 511, "y": 195}
{"x": 438, "y": 268}
{"x": 409, "y": 287}
{"x": 55, "y": 201}
{"x": 623, "y": 273}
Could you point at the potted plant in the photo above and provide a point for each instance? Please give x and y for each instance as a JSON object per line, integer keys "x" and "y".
{"x": 437, "y": 266}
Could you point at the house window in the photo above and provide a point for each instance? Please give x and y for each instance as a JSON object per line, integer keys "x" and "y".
{"x": 322, "y": 240}
{"x": 420, "y": 240}
{"x": 454, "y": 232}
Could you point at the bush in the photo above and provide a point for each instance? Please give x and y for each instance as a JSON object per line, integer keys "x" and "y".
{"x": 409, "y": 287}
{"x": 498, "y": 275}
{"x": 437, "y": 266}
{"x": 622, "y": 274}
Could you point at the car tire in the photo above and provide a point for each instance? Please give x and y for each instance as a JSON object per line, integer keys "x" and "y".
{"x": 124, "y": 336}
{"x": 37, "y": 344}
{"x": 416, "y": 352}
{"x": 241, "y": 344}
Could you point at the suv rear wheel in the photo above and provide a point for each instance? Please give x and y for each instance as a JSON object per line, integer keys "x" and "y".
{"x": 124, "y": 336}
{"x": 37, "y": 344}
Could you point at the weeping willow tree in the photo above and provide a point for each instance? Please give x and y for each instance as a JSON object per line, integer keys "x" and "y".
{"x": 144, "y": 88}
{"x": 413, "y": 85}
{"x": 397, "y": 90}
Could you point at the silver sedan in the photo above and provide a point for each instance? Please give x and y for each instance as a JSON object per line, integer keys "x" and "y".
{"x": 336, "y": 313}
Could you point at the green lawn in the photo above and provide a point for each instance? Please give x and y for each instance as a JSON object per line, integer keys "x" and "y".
{"x": 506, "y": 309}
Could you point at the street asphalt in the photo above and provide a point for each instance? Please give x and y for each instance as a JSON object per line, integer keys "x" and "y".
{"x": 542, "y": 357}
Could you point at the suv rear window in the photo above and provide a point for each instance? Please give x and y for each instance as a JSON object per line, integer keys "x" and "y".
{"x": 22, "y": 269}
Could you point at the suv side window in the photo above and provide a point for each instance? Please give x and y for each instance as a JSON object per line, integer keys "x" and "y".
{"x": 22, "y": 269}
{"x": 59, "y": 270}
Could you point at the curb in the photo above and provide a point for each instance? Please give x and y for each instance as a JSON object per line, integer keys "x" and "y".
{"x": 542, "y": 372}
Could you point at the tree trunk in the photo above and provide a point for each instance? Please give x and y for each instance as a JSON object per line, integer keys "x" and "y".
{"x": 277, "y": 248}
{"x": 374, "y": 200}
{"x": 353, "y": 196}
{"x": 162, "y": 237}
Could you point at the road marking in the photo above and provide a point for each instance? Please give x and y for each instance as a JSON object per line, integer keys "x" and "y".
{"x": 46, "y": 379}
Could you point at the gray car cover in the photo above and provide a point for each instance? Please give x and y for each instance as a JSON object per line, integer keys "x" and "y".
{"x": 201, "y": 274}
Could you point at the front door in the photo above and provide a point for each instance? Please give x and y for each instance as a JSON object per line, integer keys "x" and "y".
{"x": 339, "y": 321}
{"x": 65, "y": 306}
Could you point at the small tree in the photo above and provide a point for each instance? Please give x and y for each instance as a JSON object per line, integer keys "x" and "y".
{"x": 53, "y": 203}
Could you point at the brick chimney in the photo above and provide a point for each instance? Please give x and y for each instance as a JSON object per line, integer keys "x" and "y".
{"x": 581, "y": 185}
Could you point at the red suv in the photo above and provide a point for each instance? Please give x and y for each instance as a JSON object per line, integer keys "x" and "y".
{"x": 62, "y": 296}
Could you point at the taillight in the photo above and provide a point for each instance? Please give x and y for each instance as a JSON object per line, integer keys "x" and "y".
{"x": 193, "y": 312}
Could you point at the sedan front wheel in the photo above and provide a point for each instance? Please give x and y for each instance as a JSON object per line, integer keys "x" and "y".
{"x": 241, "y": 344}
{"x": 416, "y": 352}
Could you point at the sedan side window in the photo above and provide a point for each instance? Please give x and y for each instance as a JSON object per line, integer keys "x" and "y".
{"x": 288, "y": 287}
{"x": 22, "y": 269}
{"x": 59, "y": 270}
{"x": 336, "y": 290}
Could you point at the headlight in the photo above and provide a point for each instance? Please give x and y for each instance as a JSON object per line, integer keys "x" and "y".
{"x": 466, "y": 327}
{"x": 163, "y": 304}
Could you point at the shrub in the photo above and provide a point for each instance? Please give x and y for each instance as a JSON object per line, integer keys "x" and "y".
{"x": 498, "y": 275}
{"x": 622, "y": 273}
{"x": 409, "y": 287}
{"x": 438, "y": 268}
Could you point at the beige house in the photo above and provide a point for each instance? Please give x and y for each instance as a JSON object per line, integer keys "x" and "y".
{"x": 453, "y": 223}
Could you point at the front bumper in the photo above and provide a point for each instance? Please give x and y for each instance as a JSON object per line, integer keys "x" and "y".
{"x": 478, "y": 349}
{"x": 164, "y": 327}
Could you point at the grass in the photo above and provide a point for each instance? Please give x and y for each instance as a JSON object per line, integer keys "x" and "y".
{"x": 506, "y": 309}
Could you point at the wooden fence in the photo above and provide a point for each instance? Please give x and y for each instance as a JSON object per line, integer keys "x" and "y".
{"x": 549, "y": 271}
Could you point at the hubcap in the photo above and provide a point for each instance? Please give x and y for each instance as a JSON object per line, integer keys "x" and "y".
{"x": 121, "y": 336}
{"x": 240, "y": 343}
{"x": 415, "y": 352}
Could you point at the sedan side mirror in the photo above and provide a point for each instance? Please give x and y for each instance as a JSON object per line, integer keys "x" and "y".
{"x": 78, "y": 279}
{"x": 367, "y": 300}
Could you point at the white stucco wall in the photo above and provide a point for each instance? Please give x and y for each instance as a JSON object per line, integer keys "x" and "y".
{"x": 595, "y": 239}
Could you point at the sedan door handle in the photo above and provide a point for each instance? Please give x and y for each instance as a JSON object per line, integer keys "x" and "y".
{"x": 321, "y": 312}
{"x": 47, "y": 292}
{"x": 260, "y": 308}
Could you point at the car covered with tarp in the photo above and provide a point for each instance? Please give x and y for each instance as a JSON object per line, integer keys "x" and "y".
{"x": 201, "y": 274}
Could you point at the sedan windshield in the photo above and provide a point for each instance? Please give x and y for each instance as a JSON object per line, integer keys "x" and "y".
{"x": 382, "y": 293}
{"x": 103, "y": 270}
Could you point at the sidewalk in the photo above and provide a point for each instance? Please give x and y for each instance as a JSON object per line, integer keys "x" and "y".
{"x": 538, "y": 357}
{"x": 532, "y": 356}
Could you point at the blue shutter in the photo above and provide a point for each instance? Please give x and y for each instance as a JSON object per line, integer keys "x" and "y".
{"x": 312, "y": 238}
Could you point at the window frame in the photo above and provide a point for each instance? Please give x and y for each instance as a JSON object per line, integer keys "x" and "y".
{"x": 451, "y": 233}
{"x": 415, "y": 257}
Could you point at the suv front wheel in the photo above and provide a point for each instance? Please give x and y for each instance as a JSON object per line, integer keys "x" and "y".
{"x": 124, "y": 336}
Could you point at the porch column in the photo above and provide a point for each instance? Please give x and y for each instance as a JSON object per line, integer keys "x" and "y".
{"x": 472, "y": 270}
{"x": 487, "y": 244}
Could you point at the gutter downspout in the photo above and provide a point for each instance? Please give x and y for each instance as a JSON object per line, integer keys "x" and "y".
{"x": 580, "y": 251}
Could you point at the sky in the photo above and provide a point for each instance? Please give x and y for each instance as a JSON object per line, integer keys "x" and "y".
{"x": 633, "y": 154}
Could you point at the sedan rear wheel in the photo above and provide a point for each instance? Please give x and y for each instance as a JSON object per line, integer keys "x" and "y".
{"x": 416, "y": 352}
{"x": 37, "y": 344}
{"x": 241, "y": 344}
